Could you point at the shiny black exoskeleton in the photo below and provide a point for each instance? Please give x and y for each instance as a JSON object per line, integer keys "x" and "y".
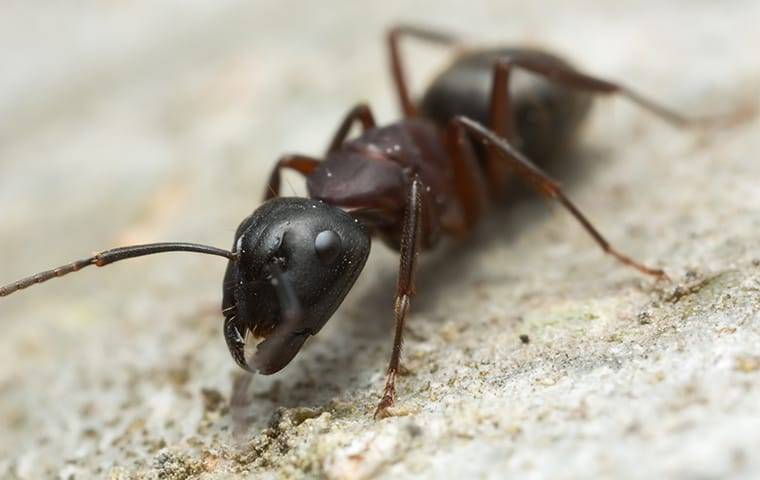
{"x": 491, "y": 116}
{"x": 546, "y": 115}
{"x": 290, "y": 252}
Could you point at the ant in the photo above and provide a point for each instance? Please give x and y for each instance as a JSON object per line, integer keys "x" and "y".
{"x": 491, "y": 116}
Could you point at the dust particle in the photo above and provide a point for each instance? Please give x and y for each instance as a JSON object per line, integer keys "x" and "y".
{"x": 747, "y": 364}
{"x": 212, "y": 399}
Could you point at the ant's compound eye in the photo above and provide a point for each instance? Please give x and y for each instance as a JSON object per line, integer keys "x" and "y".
{"x": 328, "y": 245}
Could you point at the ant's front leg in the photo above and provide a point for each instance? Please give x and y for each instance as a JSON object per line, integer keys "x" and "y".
{"x": 300, "y": 163}
{"x": 363, "y": 114}
{"x": 410, "y": 245}
{"x": 304, "y": 164}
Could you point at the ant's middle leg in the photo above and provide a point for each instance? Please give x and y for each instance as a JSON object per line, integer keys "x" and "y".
{"x": 543, "y": 184}
{"x": 408, "y": 108}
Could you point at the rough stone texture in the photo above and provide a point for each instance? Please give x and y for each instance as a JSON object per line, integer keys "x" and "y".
{"x": 137, "y": 122}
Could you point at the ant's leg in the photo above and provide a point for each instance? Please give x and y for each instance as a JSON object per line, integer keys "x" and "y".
{"x": 500, "y": 122}
{"x": 410, "y": 239}
{"x": 399, "y": 79}
{"x": 500, "y": 108}
{"x": 470, "y": 184}
{"x": 304, "y": 164}
{"x": 573, "y": 79}
{"x": 300, "y": 163}
{"x": 540, "y": 181}
{"x": 360, "y": 112}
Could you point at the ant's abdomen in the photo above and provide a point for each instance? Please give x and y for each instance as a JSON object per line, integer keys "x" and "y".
{"x": 545, "y": 115}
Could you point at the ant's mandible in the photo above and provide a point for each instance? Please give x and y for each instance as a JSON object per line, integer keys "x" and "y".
{"x": 434, "y": 172}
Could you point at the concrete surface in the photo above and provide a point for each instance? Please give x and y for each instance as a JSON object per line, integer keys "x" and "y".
{"x": 144, "y": 121}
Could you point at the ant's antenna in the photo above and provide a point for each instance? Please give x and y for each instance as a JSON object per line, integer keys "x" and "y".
{"x": 114, "y": 255}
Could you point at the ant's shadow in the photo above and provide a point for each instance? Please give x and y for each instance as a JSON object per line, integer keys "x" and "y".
{"x": 336, "y": 361}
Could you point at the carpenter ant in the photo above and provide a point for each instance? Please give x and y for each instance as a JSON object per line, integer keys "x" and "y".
{"x": 490, "y": 116}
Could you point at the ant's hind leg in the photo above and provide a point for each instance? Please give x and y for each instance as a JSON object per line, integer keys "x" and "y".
{"x": 410, "y": 246}
{"x": 470, "y": 184}
{"x": 543, "y": 184}
{"x": 408, "y": 108}
{"x": 500, "y": 121}
{"x": 574, "y": 79}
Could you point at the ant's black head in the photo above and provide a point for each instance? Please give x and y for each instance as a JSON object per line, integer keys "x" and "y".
{"x": 296, "y": 259}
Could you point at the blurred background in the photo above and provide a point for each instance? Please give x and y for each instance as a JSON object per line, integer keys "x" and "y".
{"x": 133, "y": 122}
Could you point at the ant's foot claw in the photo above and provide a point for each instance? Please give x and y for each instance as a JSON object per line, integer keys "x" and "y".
{"x": 663, "y": 277}
{"x": 384, "y": 408}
